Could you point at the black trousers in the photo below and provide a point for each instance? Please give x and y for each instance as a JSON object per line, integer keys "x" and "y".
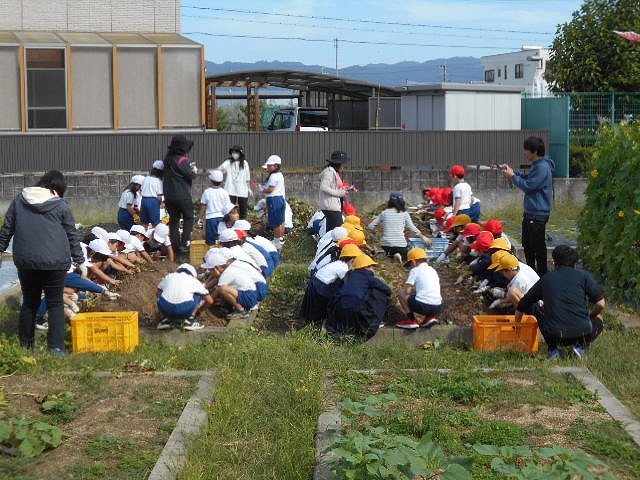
{"x": 533, "y": 241}
{"x": 333, "y": 217}
{"x": 177, "y": 209}
{"x": 242, "y": 203}
{"x": 33, "y": 282}
{"x": 583, "y": 341}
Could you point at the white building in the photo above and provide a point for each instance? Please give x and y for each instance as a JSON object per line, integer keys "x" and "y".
{"x": 524, "y": 69}
{"x": 94, "y": 65}
{"x": 460, "y": 106}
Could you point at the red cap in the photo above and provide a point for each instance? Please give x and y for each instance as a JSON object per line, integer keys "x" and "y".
{"x": 483, "y": 241}
{"x": 471, "y": 229}
{"x": 494, "y": 226}
{"x": 349, "y": 209}
{"x": 348, "y": 241}
{"x": 456, "y": 170}
{"x": 445, "y": 196}
{"x": 439, "y": 214}
{"x": 241, "y": 234}
{"x": 448, "y": 226}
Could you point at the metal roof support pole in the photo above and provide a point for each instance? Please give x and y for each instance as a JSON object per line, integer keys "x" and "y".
{"x": 210, "y": 92}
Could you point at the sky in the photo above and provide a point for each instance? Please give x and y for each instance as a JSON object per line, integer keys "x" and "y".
{"x": 369, "y": 31}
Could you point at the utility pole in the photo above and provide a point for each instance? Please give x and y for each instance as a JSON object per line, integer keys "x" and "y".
{"x": 335, "y": 44}
{"x": 445, "y": 78}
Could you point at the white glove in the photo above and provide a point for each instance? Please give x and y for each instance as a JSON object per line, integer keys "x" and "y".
{"x": 483, "y": 286}
{"x": 74, "y": 308}
{"x": 427, "y": 241}
{"x": 111, "y": 295}
{"x": 498, "y": 292}
{"x": 441, "y": 258}
{"x": 251, "y": 194}
{"x": 495, "y": 303}
{"x": 200, "y": 222}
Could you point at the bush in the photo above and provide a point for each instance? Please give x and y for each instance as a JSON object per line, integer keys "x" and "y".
{"x": 610, "y": 221}
{"x": 579, "y": 161}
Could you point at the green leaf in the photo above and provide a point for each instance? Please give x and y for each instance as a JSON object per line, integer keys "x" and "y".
{"x": 455, "y": 472}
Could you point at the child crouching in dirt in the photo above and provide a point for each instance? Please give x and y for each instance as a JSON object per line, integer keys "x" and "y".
{"x": 421, "y": 294}
{"x": 180, "y": 297}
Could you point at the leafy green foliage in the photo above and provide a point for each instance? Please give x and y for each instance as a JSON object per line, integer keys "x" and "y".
{"x": 29, "y": 437}
{"x": 12, "y": 355}
{"x": 557, "y": 463}
{"x": 586, "y": 56}
{"x": 610, "y": 222}
{"x": 61, "y": 407}
{"x": 374, "y": 453}
{"x": 579, "y": 161}
{"x": 495, "y": 432}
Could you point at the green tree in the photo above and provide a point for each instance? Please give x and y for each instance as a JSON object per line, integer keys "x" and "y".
{"x": 586, "y": 56}
{"x": 223, "y": 123}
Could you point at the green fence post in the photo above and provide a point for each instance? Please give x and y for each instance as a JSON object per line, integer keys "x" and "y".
{"x": 613, "y": 107}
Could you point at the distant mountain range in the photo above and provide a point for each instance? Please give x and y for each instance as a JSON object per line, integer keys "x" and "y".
{"x": 459, "y": 69}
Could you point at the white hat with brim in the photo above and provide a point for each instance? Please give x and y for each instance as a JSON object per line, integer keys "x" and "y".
{"x": 99, "y": 232}
{"x": 229, "y": 208}
{"x": 113, "y": 236}
{"x": 272, "y": 160}
{"x": 228, "y": 235}
{"x": 161, "y": 232}
{"x": 214, "y": 258}
{"x": 137, "y": 179}
{"x": 158, "y": 165}
{"x": 189, "y": 268}
{"x": 216, "y": 176}
{"x": 242, "y": 225}
{"x": 100, "y": 246}
{"x": 139, "y": 229}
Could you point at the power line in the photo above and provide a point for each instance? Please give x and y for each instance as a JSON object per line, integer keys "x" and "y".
{"x": 358, "y": 20}
{"x": 359, "y": 42}
{"x": 333, "y": 27}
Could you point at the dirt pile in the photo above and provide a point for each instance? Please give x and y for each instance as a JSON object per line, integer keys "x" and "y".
{"x": 138, "y": 293}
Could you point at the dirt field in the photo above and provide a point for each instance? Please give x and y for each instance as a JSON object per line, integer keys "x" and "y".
{"x": 138, "y": 293}
{"x": 118, "y": 423}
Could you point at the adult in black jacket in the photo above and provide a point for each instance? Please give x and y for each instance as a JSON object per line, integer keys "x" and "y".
{"x": 179, "y": 173}
{"x": 45, "y": 243}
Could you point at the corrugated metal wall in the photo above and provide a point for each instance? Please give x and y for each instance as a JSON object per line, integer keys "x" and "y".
{"x": 136, "y": 151}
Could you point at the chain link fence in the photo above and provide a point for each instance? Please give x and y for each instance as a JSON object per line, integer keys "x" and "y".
{"x": 589, "y": 111}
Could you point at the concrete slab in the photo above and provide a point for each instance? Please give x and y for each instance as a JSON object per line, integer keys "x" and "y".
{"x": 328, "y": 431}
{"x": 611, "y": 404}
{"x": 193, "y": 419}
{"x": 451, "y": 333}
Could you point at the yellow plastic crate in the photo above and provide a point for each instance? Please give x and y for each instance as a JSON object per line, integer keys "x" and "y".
{"x": 105, "y": 332}
{"x": 197, "y": 249}
{"x": 502, "y": 332}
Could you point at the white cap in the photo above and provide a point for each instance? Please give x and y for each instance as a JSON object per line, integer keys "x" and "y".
{"x": 228, "y": 235}
{"x": 158, "y": 165}
{"x": 339, "y": 233}
{"x": 215, "y": 257}
{"x": 124, "y": 236}
{"x": 137, "y": 179}
{"x": 113, "y": 236}
{"x": 188, "y": 268}
{"x": 99, "y": 232}
{"x": 161, "y": 232}
{"x": 242, "y": 225}
{"x": 262, "y": 203}
{"x": 216, "y": 176}
{"x": 139, "y": 229}
{"x": 227, "y": 209}
{"x": 272, "y": 160}
{"x": 100, "y": 246}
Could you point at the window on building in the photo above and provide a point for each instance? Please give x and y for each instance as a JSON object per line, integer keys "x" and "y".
{"x": 489, "y": 75}
{"x": 499, "y": 73}
{"x": 46, "y": 88}
{"x": 519, "y": 72}
{"x": 505, "y": 72}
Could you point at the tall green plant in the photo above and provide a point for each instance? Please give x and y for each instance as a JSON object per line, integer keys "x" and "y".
{"x": 610, "y": 221}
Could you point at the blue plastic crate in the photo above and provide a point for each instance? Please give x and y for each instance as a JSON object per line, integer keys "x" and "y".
{"x": 438, "y": 245}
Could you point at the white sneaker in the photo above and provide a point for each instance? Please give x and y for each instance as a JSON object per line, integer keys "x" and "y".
{"x": 42, "y": 326}
{"x": 164, "y": 324}
{"x": 190, "y": 326}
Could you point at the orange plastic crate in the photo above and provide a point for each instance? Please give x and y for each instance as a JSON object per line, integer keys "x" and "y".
{"x": 105, "y": 332}
{"x": 502, "y": 332}
{"x": 197, "y": 249}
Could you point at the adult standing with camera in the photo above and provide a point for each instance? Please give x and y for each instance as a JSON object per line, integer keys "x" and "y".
{"x": 332, "y": 190}
{"x": 537, "y": 185}
{"x": 179, "y": 173}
